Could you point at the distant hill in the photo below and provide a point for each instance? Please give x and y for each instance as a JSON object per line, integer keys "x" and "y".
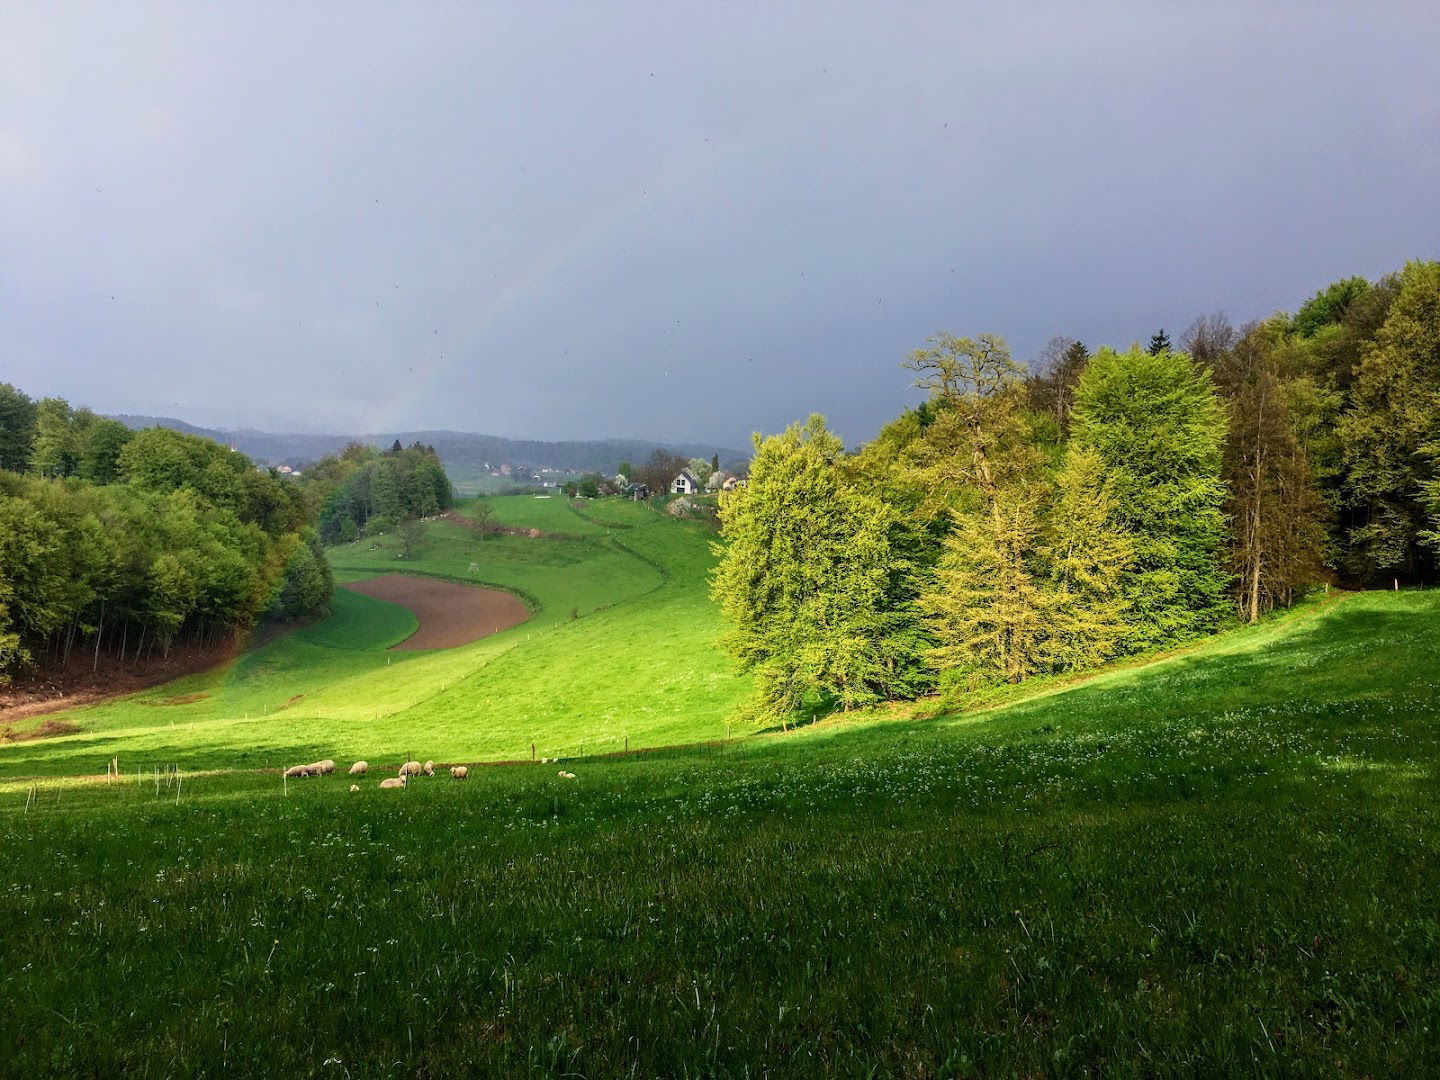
{"x": 456, "y": 448}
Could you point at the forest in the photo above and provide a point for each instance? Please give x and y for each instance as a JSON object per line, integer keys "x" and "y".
{"x": 1103, "y": 504}
{"x": 362, "y": 489}
{"x": 121, "y": 543}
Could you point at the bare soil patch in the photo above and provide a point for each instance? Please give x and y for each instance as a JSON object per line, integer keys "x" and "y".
{"x": 49, "y": 729}
{"x": 450, "y": 614}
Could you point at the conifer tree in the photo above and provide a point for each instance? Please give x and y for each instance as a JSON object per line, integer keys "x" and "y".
{"x": 1394, "y": 416}
{"x": 1159, "y": 342}
{"x": 988, "y": 610}
{"x": 1157, "y": 426}
{"x": 804, "y": 577}
{"x": 1088, "y": 554}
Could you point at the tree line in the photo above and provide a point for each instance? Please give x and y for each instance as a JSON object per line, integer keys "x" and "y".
{"x": 364, "y": 490}
{"x": 1018, "y": 523}
{"x": 123, "y": 543}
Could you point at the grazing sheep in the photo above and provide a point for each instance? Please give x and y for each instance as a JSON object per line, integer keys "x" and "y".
{"x": 354, "y": 787}
{"x": 393, "y": 782}
{"x": 429, "y": 768}
{"x": 460, "y": 772}
{"x": 566, "y": 775}
{"x": 411, "y": 768}
{"x": 322, "y": 768}
{"x": 297, "y": 770}
{"x": 359, "y": 768}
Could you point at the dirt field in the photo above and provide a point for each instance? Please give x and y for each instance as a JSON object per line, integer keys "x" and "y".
{"x": 449, "y": 614}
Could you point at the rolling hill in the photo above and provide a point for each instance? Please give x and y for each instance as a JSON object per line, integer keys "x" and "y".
{"x": 1218, "y": 862}
{"x": 456, "y": 448}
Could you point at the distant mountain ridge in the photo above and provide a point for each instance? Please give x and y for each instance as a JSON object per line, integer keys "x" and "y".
{"x": 454, "y": 447}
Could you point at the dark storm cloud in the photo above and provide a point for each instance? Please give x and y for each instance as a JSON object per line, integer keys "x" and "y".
{"x": 675, "y": 221}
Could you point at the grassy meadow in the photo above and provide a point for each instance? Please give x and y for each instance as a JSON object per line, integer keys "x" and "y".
{"x": 619, "y": 652}
{"x": 1222, "y": 863}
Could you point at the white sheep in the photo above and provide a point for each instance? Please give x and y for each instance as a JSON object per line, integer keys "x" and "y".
{"x": 460, "y": 772}
{"x": 393, "y": 782}
{"x": 322, "y": 768}
{"x": 359, "y": 768}
{"x": 429, "y": 768}
{"x": 354, "y": 787}
{"x": 566, "y": 775}
{"x": 411, "y": 768}
{"x": 297, "y": 770}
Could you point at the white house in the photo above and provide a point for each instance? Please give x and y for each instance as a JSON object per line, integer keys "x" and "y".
{"x": 684, "y": 484}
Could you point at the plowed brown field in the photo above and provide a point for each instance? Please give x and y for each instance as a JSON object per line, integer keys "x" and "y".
{"x": 449, "y": 614}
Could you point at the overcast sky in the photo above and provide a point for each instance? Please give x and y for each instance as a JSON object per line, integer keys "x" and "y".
{"x": 671, "y": 220}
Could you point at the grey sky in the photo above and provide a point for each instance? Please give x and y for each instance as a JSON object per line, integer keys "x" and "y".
{"x": 677, "y": 221}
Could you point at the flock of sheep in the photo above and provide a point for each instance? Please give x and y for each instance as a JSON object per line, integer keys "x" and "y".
{"x": 360, "y": 768}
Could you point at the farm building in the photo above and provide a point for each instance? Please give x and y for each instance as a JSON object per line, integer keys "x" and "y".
{"x": 731, "y": 483}
{"x": 636, "y": 492}
{"x": 684, "y": 484}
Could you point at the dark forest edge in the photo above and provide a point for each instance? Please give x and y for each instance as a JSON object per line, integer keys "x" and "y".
{"x": 1101, "y": 506}
{"x": 121, "y": 545}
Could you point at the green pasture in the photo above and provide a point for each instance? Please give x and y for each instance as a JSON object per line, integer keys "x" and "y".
{"x": 1222, "y": 863}
{"x": 619, "y": 652}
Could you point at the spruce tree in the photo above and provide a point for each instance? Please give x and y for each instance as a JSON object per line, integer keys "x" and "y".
{"x": 1159, "y": 342}
{"x": 1158, "y": 427}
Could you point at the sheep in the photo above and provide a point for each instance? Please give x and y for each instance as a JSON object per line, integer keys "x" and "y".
{"x": 411, "y": 768}
{"x": 322, "y": 768}
{"x": 359, "y": 768}
{"x": 297, "y": 770}
{"x": 460, "y": 772}
{"x": 393, "y": 782}
{"x": 429, "y": 768}
{"x": 354, "y": 787}
{"x": 566, "y": 775}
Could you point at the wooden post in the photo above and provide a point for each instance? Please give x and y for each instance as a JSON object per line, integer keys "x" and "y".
{"x": 532, "y": 752}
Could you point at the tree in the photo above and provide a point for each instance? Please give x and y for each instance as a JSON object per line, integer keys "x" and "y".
{"x": 483, "y": 514}
{"x": 395, "y": 447}
{"x": 56, "y": 451}
{"x": 100, "y": 451}
{"x": 805, "y": 580}
{"x": 1159, "y": 342}
{"x": 625, "y": 470}
{"x": 660, "y": 469}
{"x": 17, "y": 428}
{"x": 988, "y": 612}
{"x": 955, "y": 368}
{"x": 411, "y": 534}
{"x": 1088, "y": 555}
{"x": 1053, "y": 375}
{"x": 1277, "y": 515}
{"x": 714, "y": 463}
{"x": 1208, "y": 338}
{"x": 1328, "y": 306}
{"x": 1157, "y": 425}
{"x": 1394, "y": 417}
{"x": 701, "y": 470}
